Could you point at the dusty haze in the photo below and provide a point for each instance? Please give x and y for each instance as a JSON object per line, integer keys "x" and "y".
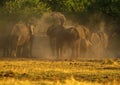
{"x": 41, "y": 46}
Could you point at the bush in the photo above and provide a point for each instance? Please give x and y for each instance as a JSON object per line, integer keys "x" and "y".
{"x": 25, "y": 8}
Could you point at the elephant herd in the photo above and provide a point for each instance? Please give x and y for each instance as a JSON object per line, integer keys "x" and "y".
{"x": 79, "y": 39}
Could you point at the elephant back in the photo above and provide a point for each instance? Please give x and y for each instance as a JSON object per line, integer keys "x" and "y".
{"x": 68, "y": 35}
{"x": 73, "y": 33}
{"x": 53, "y": 30}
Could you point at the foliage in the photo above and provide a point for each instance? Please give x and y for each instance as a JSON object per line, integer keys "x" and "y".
{"x": 24, "y": 8}
{"x": 66, "y": 5}
{"x": 109, "y": 7}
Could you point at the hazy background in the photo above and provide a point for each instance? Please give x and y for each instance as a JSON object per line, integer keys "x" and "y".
{"x": 94, "y": 14}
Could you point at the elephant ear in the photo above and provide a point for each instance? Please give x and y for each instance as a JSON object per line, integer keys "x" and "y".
{"x": 21, "y": 31}
{"x": 15, "y": 30}
{"x": 104, "y": 39}
{"x": 95, "y": 39}
{"x": 81, "y": 31}
{"x": 51, "y": 30}
{"x": 54, "y": 29}
{"x": 74, "y": 32}
{"x": 87, "y": 32}
{"x": 31, "y": 29}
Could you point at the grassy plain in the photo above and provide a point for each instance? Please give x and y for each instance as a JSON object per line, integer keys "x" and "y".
{"x": 20, "y": 71}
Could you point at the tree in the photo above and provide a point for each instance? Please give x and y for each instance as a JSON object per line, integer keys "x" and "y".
{"x": 24, "y": 8}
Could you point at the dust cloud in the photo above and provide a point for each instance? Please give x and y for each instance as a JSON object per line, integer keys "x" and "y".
{"x": 96, "y": 22}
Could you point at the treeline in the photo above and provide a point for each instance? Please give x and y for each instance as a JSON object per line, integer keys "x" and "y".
{"x": 37, "y": 7}
{"x": 80, "y": 9}
{"x": 23, "y": 8}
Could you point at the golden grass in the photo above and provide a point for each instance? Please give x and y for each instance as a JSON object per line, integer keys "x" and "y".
{"x": 37, "y": 72}
{"x": 67, "y": 82}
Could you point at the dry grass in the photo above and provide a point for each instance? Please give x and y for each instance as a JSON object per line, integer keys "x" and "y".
{"x": 37, "y": 72}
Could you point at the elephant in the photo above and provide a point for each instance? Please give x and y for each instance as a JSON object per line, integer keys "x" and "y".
{"x": 58, "y": 21}
{"x": 60, "y": 36}
{"x": 99, "y": 42}
{"x": 85, "y": 43}
{"x": 21, "y": 39}
{"x": 52, "y": 32}
{"x": 91, "y": 44}
{"x": 84, "y": 32}
{"x": 68, "y": 37}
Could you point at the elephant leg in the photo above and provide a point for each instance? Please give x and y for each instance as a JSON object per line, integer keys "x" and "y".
{"x": 19, "y": 51}
{"x": 58, "y": 52}
{"x": 73, "y": 53}
{"x": 77, "y": 47}
{"x": 30, "y": 47}
{"x": 13, "y": 53}
{"x": 53, "y": 47}
{"x": 77, "y": 52}
{"x": 53, "y": 51}
{"x": 30, "y": 53}
{"x": 57, "y": 49}
{"x": 73, "y": 48}
{"x": 4, "y": 52}
{"x": 8, "y": 51}
{"x": 61, "y": 52}
{"x": 27, "y": 50}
